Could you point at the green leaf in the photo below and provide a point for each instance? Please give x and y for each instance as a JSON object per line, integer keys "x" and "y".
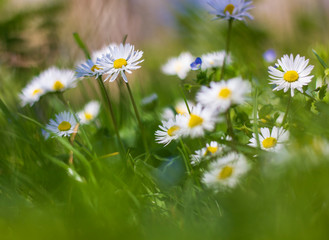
{"x": 323, "y": 91}
{"x": 320, "y": 59}
{"x": 265, "y": 110}
{"x": 82, "y": 45}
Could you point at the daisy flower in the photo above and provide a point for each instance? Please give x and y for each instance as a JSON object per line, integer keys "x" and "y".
{"x": 226, "y": 171}
{"x": 270, "y": 141}
{"x": 89, "y": 113}
{"x": 63, "y": 125}
{"x": 179, "y": 66}
{"x": 57, "y": 80}
{"x": 121, "y": 59}
{"x": 221, "y": 95}
{"x": 169, "y": 130}
{"x": 212, "y": 149}
{"x": 290, "y": 73}
{"x": 179, "y": 108}
{"x": 196, "y": 123}
{"x": 32, "y": 92}
{"x": 214, "y": 60}
{"x": 231, "y": 9}
{"x": 88, "y": 69}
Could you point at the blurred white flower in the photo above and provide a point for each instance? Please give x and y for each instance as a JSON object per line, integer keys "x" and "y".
{"x": 179, "y": 66}
{"x": 180, "y": 108}
{"x": 226, "y": 171}
{"x": 89, "y": 112}
{"x": 231, "y": 9}
{"x": 212, "y": 149}
{"x": 32, "y": 92}
{"x": 57, "y": 80}
{"x": 221, "y": 95}
{"x": 214, "y": 60}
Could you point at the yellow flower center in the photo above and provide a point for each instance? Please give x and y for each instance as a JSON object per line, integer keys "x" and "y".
{"x": 95, "y": 67}
{"x": 226, "y": 172}
{"x": 194, "y": 121}
{"x": 229, "y": 8}
{"x": 88, "y": 116}
{"x": 224, "y": 93}
{"x": 64, "y": 126}
{"x": 291, "y": 76}
{"x": 119, "y": 63}
{"x": 36, "y": 91}
{"x": 178, "y": 67}
{"x": 58, "y": 86}
{"x": 211, "y": 150}
{"x": 171, "y": 131}
{"x": 269, "y": 142}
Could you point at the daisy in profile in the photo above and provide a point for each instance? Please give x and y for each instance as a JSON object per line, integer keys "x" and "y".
{"x": 200, "y": 120}
{"x": 32, "y": 92}
{"x": 290, "y": 72}
{"x": 169, "y": 130}
{"x": 63, "y": 125}
{"x": 212, "y": 149}
{"x": 57, "y": 80}
{"x": 214, "y": 60}
{"x": 272, "y": 141}
{"x": 88, "y": 69}
{"x": 221, "y": 95}
{"x": 231, "y": 9}
{"x": 226, "y": 171}
{"x": 121, "y": 59}
{"x": 89, "y": 113}
{"x": 180, "y": 108}
{"x": 179, "y": 66}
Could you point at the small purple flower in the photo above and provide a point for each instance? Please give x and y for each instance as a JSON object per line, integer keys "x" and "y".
{"x": 196, "y": 65}
{"x": 270, "y": 55}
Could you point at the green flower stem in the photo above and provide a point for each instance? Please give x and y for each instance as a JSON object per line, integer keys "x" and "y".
{"x": 185, "y": 156}
{"x": 138, "y": 117}
{"x": 109, "y": 104}
{"x": 185, "y": 100}
{"x": 287, "y": 110}
{"x": 227, "y": 49}
{"x": 229, "y": 124}
{"x": 255, "y": 108}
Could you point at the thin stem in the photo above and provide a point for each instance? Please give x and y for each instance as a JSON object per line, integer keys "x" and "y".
{"x": 229, "y": 124}
{"x": 138, "y": 117}
{"x": 185, "y": 156}
{"x": 227, "y": 49}
{"x": 185, "y": 100}
{"x": 109, "y": 104}
{"x": 287, "y": 110}
{"x": 71, "y": 142}
{"x": 305, "y": 94}
{"x": 255, "y": 118}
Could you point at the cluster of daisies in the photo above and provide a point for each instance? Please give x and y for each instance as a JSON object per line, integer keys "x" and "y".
{"x": 213, "y": 101}
{"x": 110, "y": 61}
